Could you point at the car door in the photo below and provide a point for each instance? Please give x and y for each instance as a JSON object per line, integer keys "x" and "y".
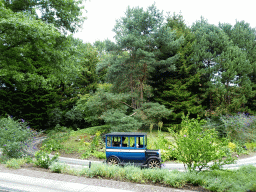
{"x": 134, "y": 152}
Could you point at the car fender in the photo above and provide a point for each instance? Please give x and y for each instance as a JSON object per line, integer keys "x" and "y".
{"x": 114, "y": 157}
{"x": 153, "y": 157}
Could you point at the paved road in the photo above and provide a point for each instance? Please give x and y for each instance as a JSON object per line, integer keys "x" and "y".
{"x": 78, "y": 163}
{"x": 17, "y": 183}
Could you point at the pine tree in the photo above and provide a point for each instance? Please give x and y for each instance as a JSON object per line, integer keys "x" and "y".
{"x": 224, "y": 66}
{"x": 243, "y": 36}
{"x": 142, "y": 40}
{"x": 143, "y": 46}
{"x": 179, "y": 90}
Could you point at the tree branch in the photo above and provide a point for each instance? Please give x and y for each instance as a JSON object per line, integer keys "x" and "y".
{"x": 133, "y": 114}
{"x": 127, "y": 104}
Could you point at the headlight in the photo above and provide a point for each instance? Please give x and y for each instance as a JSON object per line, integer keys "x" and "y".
{"x": 159, "y": 152}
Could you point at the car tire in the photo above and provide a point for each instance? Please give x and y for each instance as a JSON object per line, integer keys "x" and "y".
{"x": 154, "y": 163}
{"x": 112, "y": 161}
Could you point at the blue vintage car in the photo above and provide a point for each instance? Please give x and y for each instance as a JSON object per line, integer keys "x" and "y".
{"x": 129, "y": 147}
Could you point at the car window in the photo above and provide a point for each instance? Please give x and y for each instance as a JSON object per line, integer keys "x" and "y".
{"x": 139, "y": 142}
{"x": 131, "y": 141}
{"x": 125, "y": 141}
{"x": 116, "y": 141}
{"x": 109, "y": 141}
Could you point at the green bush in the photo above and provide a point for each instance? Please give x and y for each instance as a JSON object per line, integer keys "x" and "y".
{"x": 16, "y": 163}
{"x": 240, "y": 180}
{"x": 197, "y": 147}
{"x": 99, "y": 154}
{"x": 237, "y": 128}
{"x": 4, "y": 159}
{"x": 175, "y": 179}
{"x": 93, "y": 147}
{"x": 240, "y": 128}
{"x": 57, "y": 167}
{"x": 14, "y": 137}
{"x": 154, "y": 175}
{"x": 94, "y": 130}
{"x": 43, "y": 160}
{"x": 51, "y": 145}
{"x": 165, "y": 145}
{"x": 251, "y": 146}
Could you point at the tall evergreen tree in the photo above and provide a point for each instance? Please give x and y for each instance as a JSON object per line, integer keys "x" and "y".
{"x": 141, "y": 41}
{"x": 179, "y": 90}
{"x": 243, "y": 36}
{"x": 233, "y": 83}
{"x": 223, "y": 65}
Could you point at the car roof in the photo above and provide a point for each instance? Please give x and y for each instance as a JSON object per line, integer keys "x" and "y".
{"x": 126, "y": 134}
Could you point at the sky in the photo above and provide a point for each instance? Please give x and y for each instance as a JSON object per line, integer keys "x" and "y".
{"x": 102, "y": 14}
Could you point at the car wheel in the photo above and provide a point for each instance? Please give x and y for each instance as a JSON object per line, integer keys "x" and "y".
{"x": 112, "y": 161}
{"x": 154, "y": 163}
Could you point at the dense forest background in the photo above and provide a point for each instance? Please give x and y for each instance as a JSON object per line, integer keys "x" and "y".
{"x": 157, "y": 69}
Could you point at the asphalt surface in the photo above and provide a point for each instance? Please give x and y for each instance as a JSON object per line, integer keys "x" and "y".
{"x": 12, "y": 182}
{"x": 78, "y": 163}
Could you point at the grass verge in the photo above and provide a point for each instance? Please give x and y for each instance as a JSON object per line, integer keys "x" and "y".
{"x": 240, "y": 180}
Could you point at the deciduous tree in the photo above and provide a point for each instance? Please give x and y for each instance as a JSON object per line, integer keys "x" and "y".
{"x": 66, "y": 15}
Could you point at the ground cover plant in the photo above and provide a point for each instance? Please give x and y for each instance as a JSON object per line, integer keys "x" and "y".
{"x": 17, "y": 163}
{"x": 84, "y": 143}
{"x": 243, "y": 179}
{"x": 55, "y": 138}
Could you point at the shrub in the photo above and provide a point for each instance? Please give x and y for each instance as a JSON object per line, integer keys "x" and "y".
{"x": 175, "y": 179}
{"x": 165, "y": 145}
{"x": 94, "y": 130}
{"x": 92, "y": 148}
{"x": 197, "y": 147}
{"x": 239, "y": 180}
{"x": 232, "y": 146}
{"x": 43, "y": 160}
{"x": 14, "y": 137}
{"x": 239, "y": 128}
{"x": 154, "y": 175}
{"x": 99, "y": 154}
{"x": 251, "y": 146}
{"x": 57, "y": 167}
{"x": 16, "y": 163}
{"x": 4, "y": 159}
{"x": 95, "y": 142}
